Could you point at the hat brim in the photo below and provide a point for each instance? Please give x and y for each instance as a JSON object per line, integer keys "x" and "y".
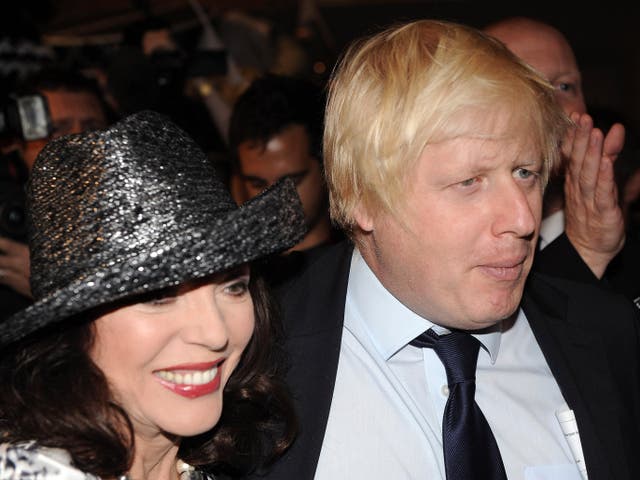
{"x": 269, "y": 223}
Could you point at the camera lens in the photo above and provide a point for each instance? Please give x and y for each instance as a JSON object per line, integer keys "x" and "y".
{"x": 15, "y": 216}
{"x": 12, "y": 219}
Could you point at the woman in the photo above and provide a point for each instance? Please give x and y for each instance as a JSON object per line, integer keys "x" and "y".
{"x": 147, "y": 317}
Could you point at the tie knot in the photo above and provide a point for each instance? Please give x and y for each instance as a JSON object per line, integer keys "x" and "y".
{"x": 458, "y": 352}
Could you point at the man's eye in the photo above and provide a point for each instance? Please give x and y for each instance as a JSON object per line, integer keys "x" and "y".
{"x": 526, "y": 174}
{"x": 92, "y": 125}
{"x": 257, "y": 185}
{"x": 566, "y": 87}
{"x": 297, "y": 179}
{"x": 469, "y": 182}
{"x": 60, "y": 128}
{"x": 57, "y": 131}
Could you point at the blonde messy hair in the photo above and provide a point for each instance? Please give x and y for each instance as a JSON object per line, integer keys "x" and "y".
{"x": 419, "y": 83}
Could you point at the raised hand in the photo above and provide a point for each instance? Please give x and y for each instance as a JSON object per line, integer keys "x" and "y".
{"x": 594, "y": 221}
{"x": 14, "y": 266}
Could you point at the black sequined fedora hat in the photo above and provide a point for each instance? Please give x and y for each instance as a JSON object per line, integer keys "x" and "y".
{"x": 135, "y": 208}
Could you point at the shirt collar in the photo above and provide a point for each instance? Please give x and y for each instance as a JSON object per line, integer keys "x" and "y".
{"x": 389, "y": 323}
{"x": 551, "y": 228}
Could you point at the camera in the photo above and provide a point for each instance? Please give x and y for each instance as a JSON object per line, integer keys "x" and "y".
{"x": 25, "y": 116}
{"x": 12, "y": 212}
{"x": 13, "y": 177}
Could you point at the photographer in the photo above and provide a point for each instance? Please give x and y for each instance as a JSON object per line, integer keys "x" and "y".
{"x": 70, "y": 103}
{"x": 14, "y": 254}
{"x": 74, "y": 102}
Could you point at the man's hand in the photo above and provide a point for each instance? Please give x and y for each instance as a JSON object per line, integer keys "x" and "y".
{"x": 594, "y": 222}
{"x": 14, "y": 266}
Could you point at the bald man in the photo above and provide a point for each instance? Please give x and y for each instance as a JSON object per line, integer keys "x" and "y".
{"x": 581, "y": 210}
{"x": 548, "y": 51}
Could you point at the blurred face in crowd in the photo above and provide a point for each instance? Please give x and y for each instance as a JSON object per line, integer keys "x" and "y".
{"x": 460, "y": 246}
{"x": 169, "y": 358}
{"x": 70, "y": 112}
{"x": 286, "y": 154}
{"x": 546, "y": 50}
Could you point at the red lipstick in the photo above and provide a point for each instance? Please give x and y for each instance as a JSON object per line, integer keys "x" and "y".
{"x": 191, "y": 380}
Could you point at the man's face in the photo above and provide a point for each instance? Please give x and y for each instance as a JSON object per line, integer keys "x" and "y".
{"x": 548, "y": 52}
{"x": 285, "y": 155}
{"x": 462, "y": 245}
{"x": 71, "y": 112}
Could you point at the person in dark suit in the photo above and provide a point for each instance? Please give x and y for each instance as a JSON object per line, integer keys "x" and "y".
{"x": 438, "y": 144}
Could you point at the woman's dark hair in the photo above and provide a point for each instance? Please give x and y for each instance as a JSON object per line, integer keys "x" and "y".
{"x": 54, "y": 393}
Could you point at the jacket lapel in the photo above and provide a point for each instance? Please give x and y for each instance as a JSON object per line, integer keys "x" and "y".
{"x": 313, "y": 308}
{"x": 570, "y": 343}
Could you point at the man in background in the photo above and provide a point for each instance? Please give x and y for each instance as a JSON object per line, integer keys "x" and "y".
{"x": 75, "y": 105}
{"x": 275, "y": 132}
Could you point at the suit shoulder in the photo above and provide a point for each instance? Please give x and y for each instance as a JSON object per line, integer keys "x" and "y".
{"x": 314, "y": 298}
{"x": 591, "y": 301}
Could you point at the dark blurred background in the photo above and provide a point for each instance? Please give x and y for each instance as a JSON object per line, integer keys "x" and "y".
{"x": 605, "y": 35}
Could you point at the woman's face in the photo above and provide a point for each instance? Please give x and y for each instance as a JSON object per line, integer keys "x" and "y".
{"x": 169, "y": 357}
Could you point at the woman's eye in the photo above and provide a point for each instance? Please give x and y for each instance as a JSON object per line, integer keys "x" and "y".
{"x": 238, "y": 288}
{"x": 160, "y": 300}
{"x": 159, "y": 297}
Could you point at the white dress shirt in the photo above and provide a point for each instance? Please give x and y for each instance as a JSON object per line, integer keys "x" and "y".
{"x": 551, "y": 228}
{"x": 385, "y": 420}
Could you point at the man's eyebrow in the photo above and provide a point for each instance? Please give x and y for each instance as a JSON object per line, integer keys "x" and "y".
{"x": 252, "y": 178}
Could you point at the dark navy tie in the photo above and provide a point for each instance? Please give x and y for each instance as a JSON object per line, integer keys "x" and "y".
{"x": 470, "y": 449}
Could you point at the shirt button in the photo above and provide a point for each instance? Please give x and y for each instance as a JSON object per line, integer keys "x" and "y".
{"x": 445, "y": 390}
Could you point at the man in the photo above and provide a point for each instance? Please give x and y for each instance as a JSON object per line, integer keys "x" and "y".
{"x": 275, "y": 131}
{"x": 438, "y": 143}
{"x": 595, "y": 230}
{"x": 74, "y": 105}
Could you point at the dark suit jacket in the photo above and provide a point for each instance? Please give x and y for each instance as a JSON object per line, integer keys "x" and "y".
{"x": 589, "y": 337}
{"x": 560, "y": 259}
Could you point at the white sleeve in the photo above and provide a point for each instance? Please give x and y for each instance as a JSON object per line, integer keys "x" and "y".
{"x": 26, "y": 461}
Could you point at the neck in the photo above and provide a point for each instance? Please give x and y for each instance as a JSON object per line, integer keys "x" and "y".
{"x": 155, "y": 459}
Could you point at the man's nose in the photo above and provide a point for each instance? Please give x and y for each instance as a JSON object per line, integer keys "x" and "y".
{"x": 515, "y": 212}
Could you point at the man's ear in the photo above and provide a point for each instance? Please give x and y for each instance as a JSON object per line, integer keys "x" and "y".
{"x": 364, "y": 219}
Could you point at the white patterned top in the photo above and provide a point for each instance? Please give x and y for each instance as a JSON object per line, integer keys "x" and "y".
{"x": 28, "y": 461}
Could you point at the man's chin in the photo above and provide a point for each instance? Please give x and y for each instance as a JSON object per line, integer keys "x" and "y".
{"x": 492, "y": 316}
